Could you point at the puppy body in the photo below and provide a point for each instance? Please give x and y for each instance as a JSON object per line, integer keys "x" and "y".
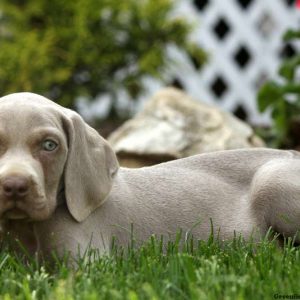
{"x": 60, "y": 180}
{"x": 241, "y": 191}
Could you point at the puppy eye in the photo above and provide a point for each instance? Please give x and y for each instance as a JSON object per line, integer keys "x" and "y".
{"x": 49, "y": 145}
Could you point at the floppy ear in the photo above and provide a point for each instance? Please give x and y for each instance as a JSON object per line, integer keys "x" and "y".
{"x": 90, "y": 167}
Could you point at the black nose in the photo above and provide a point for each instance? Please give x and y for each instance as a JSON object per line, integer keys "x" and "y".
{"x": 15, "y": 186}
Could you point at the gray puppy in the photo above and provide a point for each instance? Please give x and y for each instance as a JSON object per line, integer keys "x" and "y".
{"x": 61, "y": 178}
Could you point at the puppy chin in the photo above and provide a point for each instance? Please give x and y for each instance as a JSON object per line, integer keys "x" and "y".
{"x": 15, "y": 214}
{"x": 40, "y": 213}
{"x": 26, "y": 214}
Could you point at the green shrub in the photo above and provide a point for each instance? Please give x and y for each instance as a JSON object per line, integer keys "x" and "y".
{"x": 282, "y": 97}
{"x": 68, "y": 49}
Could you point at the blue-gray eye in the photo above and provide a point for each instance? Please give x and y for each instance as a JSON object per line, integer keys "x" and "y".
{"x": 49, "y": 145}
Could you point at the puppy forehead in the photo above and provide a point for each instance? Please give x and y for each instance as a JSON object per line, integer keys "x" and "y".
{"x": 25, "y": 113}
{"x": 32, "y": 98}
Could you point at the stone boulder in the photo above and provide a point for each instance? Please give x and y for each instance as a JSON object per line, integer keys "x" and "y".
{"x": 173, "y": 125}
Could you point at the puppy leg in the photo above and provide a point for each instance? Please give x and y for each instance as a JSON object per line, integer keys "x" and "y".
{"x": 275, "y": 197}
{"x": 20, "y": 237}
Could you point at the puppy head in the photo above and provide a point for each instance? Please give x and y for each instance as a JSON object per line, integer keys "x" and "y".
{"x": 43, "y": 148}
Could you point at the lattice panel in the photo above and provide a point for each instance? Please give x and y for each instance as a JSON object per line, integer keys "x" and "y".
{"x": 243, "y": 38}
{"x": 244, "y": 41}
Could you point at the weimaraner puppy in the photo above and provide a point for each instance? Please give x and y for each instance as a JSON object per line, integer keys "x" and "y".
{"x": 59, "y": 177}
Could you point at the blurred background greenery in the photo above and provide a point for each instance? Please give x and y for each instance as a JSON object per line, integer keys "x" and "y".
{"x": 282, "y": 97}
{"x": 69, "y": 49}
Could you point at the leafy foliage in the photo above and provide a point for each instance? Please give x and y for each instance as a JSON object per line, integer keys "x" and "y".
{"x": 283, "y": 98}
{"x": 67, "y": 49}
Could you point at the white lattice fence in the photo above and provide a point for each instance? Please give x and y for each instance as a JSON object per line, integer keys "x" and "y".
{"x": 244, "y": 41}
{"x": 243, "y": 38}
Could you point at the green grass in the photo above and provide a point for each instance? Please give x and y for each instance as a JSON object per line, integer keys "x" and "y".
{"x": 202, "y": 270}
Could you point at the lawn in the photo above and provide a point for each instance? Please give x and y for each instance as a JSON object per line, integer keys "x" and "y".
{"x": 202, "y": 270}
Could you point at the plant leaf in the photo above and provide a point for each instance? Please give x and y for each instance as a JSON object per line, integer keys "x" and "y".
{"x": 269, "y": 94}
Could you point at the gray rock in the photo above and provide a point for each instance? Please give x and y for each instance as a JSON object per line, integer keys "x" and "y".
{"x": 173, "y": 125}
